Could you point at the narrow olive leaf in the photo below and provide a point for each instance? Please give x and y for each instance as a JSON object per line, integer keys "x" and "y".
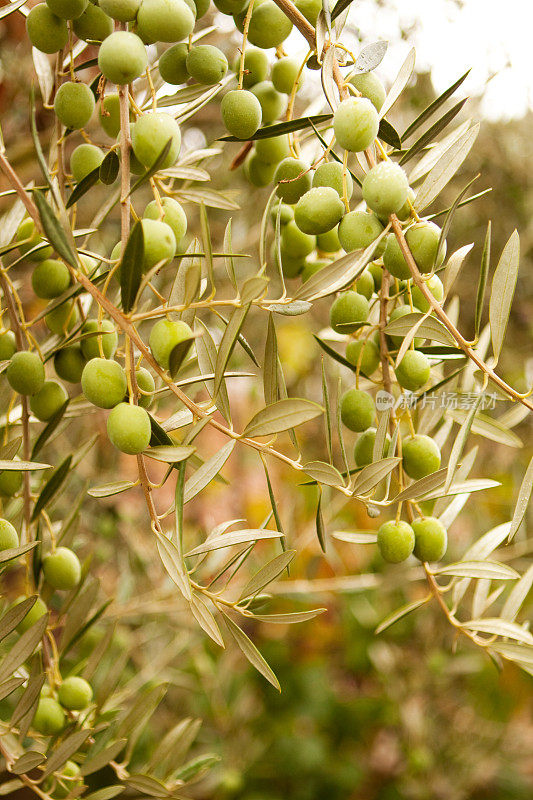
{"x": 196, "y": 767}
{"x": 449, "y": 218}
{"x": 52, "y": 486}
{"x": 27, "y": 762}
{"x": 489, "y": 428}
{"x": 293, "y": 309}
{"x": 334, "y": 155}
{"x": 432, "y": 132}
{"x": 102, "y": 759}
{"x": 455, "y": 262}
{"x": 169, "y": 455}
{"x": 206, "y": 352}
{"x": 253, "y": 288}
{"x": 268, "y": 573}
{"x": 431, "y": 328}
{"x": 434, "y": 106}
{"x": 205, "y": 619}
{"x": 110, "y": 489}
{"x": 14, "y": 552}
{"x": 205, "y": 474}
{"x": 400, "y": 82}
{"x": 83, "y": 187}
{"x": 53, "y": 229}
{"x": 23, "y": 648}
{"x": 9, "y": 686}
{"x": 209, "y": 197}
{"x": 423, "y": 486}
{"x": 233, "y": 538}
{"x": 326, "y": 77}
{"x": 173, "y": 563}
{"x": 208, "y": 249}
{"x": 340, "y": 6}
{"x": 333, "y": 353}
{"x": 389, "y": 135}
{"x": 153, "y": 170}
{"x": 231, "y": 333}
{"x": 187, "y": 281}
{"x": 44, "y": 72}
{"x": 282, "y": 415}
{"x": 483, "y": 275}
{"x": 459, "y": 443}
{"x": 93, "y": 619}
{"x": 445, "y": 168}
{"x": 49, "y": 429}
{"x": 499, "y": 627}
{"x": 109, "y": 168}
{"x": 290, "y": 618}
{"x": 28, "y": 699}
{"x": 283, "y": 127}
{"x": 105, "y": 794}
{"x": 251, "y": 652}
{"x": 323, "y": 473}
{"x": 179, "y": 353}
{"x": 355, "y": 537}
{"x": 462, "y": 487}
{"x": 371, "y": 56}
{"x": 14, "y": 615}
{"x": 131, "y": 267}
{"x": 518, "y": 653}
{"x": 9, "y": 8}
{"x": 502, "y": 291}
{"x": 270, "y": 368}
{"x": 522, "y": 502}
{"x": 66, "y": 750}
{"x": 517, "y": 596}
{"x": 492, "y": 570}
{"x": 319, "y": 522}
{"x": 21, "y": 466}
{"x": 327, "y": 407}
{"x": 372, "y": 474}
{"x": 479, "y": 551}
{"x": 244, "y": 343}
{"x": 10, "y": 449}
{"x": 400, "y": 613}
{"x": 228, "y": 260}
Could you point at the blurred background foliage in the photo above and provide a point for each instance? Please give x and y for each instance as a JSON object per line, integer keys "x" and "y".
{"x": 410, "y": 714}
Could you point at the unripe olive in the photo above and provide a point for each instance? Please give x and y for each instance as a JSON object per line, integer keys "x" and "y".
{"x": 385, "y": 188}
{"x": 255, "y": 66}
{"x": 62, "y": 319}
{"x": 284, "y": 74}
{"x": 206, "y": 64}
{"x": 405, "y": 211}
{"x": 241, "y": 113}
{"x": 365, "y": 354}
{"x": 347, "y": 311}
{"x": 364, "y": 447}
{"x": 49, "y": 718}
{"x": 151, "y": 133}
{"x": 258, "y": 173}
{"x": 121, "y": 10}
{"x": 231, "y": 6}
{"x": 67, "y": 9}
{"x": 355, "y": 124}
{"x": 423, "y": 241}
{"x": 365, "y": 284}
{"x": 164, "y": 20}
{"x": 8, "y": 345}
{"x": 25, "y": 372}
{"x": 371, "y": 87}
{"x": 159, "y": 243}
{"x": 172, "y": 64}
{"x": 146, "y": 384}
{"x": 434, "y": 284}
{"x": 293, "y": 179}
{"x": 332, "y": 174}
{"x": 164, "y": 337}
{"x": 27, "y": 230}
{"x": 358, "y": 229}
{"x": 84, "y": 159}
{"x": 357, "y": 410}
{"x": 329, "y": 242}
{"x": 50, "y": 278}
{"x": 319, "y": 210}
{"x": 202, "y": 7}
{"x": 46, "y": 31}
{"x": 9, "y": 537}
{"x": 420, "y": 456}
{"x": 62, "y": 569}
{"x": 65, "y": 782}
{"x": 48, "y": 400}
{"x": 10, "y": 483}
{"x": 402, "y": 311}
{"x": 296, "y": 243}
{"x": 35, "y": 613}
{"x": 129, "y": 429}
{"x": 286, "y": 214}
{"x": 376, "y": 271}
{"x": 69, "y": 363}
{"x": 393, "y": 259}
{"x": 103, "y": 382}
{"x": 312, "y": 267}
{"x": 273, "y": 150}
{"x": 122, "y": 57}
{"x": 396, "y": 541}
{"x": 269, "y": 26}
{"x": 109, "y": 114}
{"x": 310, "y": 9}
{"x": 75, "y": 693}
{"x": 413, "y": 370}
{"x": 431, "y": 538}
{"x": 272, "y": 103}
{"x": 74, "y": 104}
{"x": 173, "y": 215}
{"x": 93, "y": 25}
{"x": 105, "y": 344}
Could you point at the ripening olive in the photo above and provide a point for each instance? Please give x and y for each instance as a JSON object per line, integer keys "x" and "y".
{"x": 129, "y": 429}
{"x": 310, "y": 9}
{"x": 333, "y": 174}
{"x": 365, "y": 284}
{"x": 151, "y": 133}
{"x": 293, "y": 179}
{"x": 241, "y": 113}
{"x": 75, "y": 693}
{"x": 121, "y": 10}
{"x": 25, "y": 372}
{"x": 164, "y": 337}
{"x": 371, "y": 87}
{"x": 122, "y": 57}
{"x": 35, "y": 613}
{"x": 49, "y": 717}
{"x": 365, "y": 354}
{"x": 48, "y": 400}
{"x": 10, "y": 482}
{"x": 104, "y": 345}
{"x": 358, "y": 229}
{"x": 27, "y": 230}
{"x": 93, "y": 25}
{"x": 173, "y": 216}
{"x": 347, "y": 311}
{"x": 286, "y": 213}
{"x": 85, "y": 158}
{"x": 269, "y": 26}
{"x": 159, "y": 243}
{"x": 312, "y": 267}
{"x": 50, "y": 278}
{"x": 62, "y": 569}
{"x": 423, "y": 241}
{"x": 420, "y": 456}
{"x": 146, "y": 386}
{"x": 413, "y": 370}
{"x": 329, "y": 242}
{"x": 61, "y": 319}
{"x": 431, "y": 538}
{"x": 284, "y": 74}
{"x": 206, "y": 64}
{"x": 69, "y": 363}
{"x": 357, "y": 410}
{"x": 74, "y": 104}
{"x": 355, "y": 124}
{"x": 319, "y": 210}
{"x": 272, "y": 103}
{"x": 103, "y": 382}
{"x": 231, "y": 6}
{"x": 402, "y": 311}
{"x": 258, "y": 173}
{"x": 396, "y": 541}
{"x": 255, "y": 66}
{"x": 164, "y": 20}
{"x": 385, "y": 188}
{"x": 434, "y": 285}
{"x": 8, "y": 345}
{"x": 364, "y": 447}
{"x": 273, "y": 150}
{"x": 67, "y": 9}
{"x": 172, "y": 64}
{"x": 295, "y": 243}
{"x": 46, "y": 31}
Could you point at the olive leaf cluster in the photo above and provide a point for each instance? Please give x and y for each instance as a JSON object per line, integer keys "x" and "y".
{"x": 147, "y": 331}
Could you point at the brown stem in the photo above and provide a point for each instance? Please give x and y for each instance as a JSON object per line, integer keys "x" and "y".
{"x": 298, "y": 20}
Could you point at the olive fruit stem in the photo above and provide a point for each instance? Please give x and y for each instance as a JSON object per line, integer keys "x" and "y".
{"x": 247, "y": 19}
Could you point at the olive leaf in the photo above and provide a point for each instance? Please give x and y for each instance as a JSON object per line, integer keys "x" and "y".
{"x": 502, "y": 291}
{"x": 23, "y": 648}
{"x": 230, "y": 336}
{"x": 250, "y": 651}
{"x": 371, "y": 56}
{"x": 372, "y": 474}
{"x": 430, "y": 328}
{"x": 400, "y": 613}
{"x": 282, "y": 415}
{"x": 400, "y": 82}
{"x": 131, "y": 267}
{"x": 432, "y": 132}
{"x": 268, "y": 573}
{"x": 434, "y": 106}
{"x": 83, "y": 187}
{"x": 205, "y": 618}
{"x": 205, "y": 474}
{"x": 280, "y": 128}
{"x": 492, "y": 570}
{"x": 483, "y": 275}
{"x": 445, "y": 168}
{"x": 230, "y": 539}
{"x": 52, "y": 486}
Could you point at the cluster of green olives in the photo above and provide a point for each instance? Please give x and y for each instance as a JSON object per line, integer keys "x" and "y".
{"x": 51, "y": 716}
